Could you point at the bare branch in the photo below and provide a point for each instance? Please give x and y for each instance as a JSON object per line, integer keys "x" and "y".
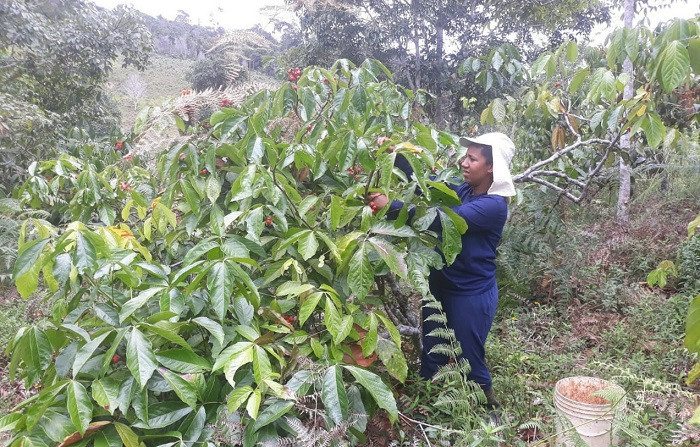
{"x": 558, "y": 154}
{"x": 561, "y": 175}
{"x": 560, "y": 190}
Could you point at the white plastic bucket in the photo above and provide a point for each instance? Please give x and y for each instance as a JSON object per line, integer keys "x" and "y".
{"x": 578, "y": 412}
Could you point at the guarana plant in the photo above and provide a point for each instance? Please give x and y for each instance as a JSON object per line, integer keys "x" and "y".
{"x": 241, "y": 274}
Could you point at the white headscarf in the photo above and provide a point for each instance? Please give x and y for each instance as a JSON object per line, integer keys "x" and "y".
{"x": 503, "y": 150}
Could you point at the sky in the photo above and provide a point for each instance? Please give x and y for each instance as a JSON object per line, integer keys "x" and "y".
{"x": 241, "y": 14}
{"x": 230, "y": 14}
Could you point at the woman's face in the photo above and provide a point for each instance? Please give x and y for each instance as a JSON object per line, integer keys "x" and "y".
{"x": 475, "y": 168}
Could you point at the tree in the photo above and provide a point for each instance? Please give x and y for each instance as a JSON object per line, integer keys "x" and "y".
{"x": 55, "y": 58}
{"x": 578, "y": 100}
{"x": 134, "y": 87}
{"x": 411, "y": 37}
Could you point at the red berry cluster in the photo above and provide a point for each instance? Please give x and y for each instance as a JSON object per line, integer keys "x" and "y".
{"x": 289, "y": 319}
{"x": 268, "y": 221}
{"x": 355, "y": 171}
{"x": 124, "y": 186}
{"x": 226, "y": 103}
{"x": 374, "y": 207}
{"x": 186, "y": 92}
{"x": 294, "y": 74}
{"x": 204, "y": 171}
{"x": 128, "y": 158}
{"x": 115, "y": 358}
{"x": 119, "y": 145}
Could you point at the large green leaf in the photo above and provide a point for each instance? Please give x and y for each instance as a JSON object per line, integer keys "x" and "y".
{"x": 79, "y": 406}
{"x": 137, "y": 302}
{"x": 654, "y": 129}
{"x": 85, "y": 255}
{"x": 692, "y": 326}
{"x": 185, "y": 390}
{"x": 451, "y": 237}
{"x": 85, "y": 352}
{"x": 212, "y": 326}
{"x": 333, "y": 394}
{"x": 27, "y": 257}
{"x": 377, "y": 388}
{"x": 391, "y": 256}
{"x": 675, "y": 66}
{"x": 140, "y": 358}
{"x": 163, "y": 414}
{"x": 272, "y": 412}
{"x": 237, "y": 397}
{"x": 183, "y": 361}
{"x": 360, "y": 274}
{"x": 127, "y": 435}
{"x": 308, "y": 306}
{"x": 220, "y": 285}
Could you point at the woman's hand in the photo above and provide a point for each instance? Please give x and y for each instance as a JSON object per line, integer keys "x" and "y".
{"x": 376, "y": 200}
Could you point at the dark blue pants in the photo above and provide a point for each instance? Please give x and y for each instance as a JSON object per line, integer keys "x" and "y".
{"x": 471, "y": 317}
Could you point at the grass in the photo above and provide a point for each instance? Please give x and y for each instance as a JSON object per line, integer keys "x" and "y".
{"x": 164, "y": 78}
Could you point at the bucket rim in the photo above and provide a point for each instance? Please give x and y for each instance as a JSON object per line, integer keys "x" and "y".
{"x": 595, "y": 407}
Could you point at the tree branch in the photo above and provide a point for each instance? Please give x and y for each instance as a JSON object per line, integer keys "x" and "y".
{"x": 558, "y": 154}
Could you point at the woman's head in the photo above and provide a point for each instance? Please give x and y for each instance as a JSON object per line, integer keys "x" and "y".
{"x": 477, "y": 167}
{"x": 497, "y": 151}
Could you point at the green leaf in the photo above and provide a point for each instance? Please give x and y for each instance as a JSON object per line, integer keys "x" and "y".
{"x": 237, "y": 397}
{"x": 163, "y": 414}
{"x": 261, "y": 364}
{"x": 169, "y": 332}
{"x": 334, "y": 396}
{"x": 213, "y": 188}
{"x": 254, "y": 403}
{"x": 675, "y": 66}
{"x": 85, "y": 256}
{"x": 692, "y": 326}
{"x": 220, "y": 285}
{"x": 137, "y": 302}
{"x": 79, "y": 406}
{"x": 360, "y": 274}
{"x": 343, "y": 329}
{"x": 27, "y": 257}
{"x": 331, "y": 318}
{"x": 498, "y": 109}
{"x": 571, "y": 51}
{"x": 308, "y": 306}
{"x": 654, "y": 129}
{"x": 694, "y": 54}
{"x": 202, "y": 248}
{"x": 578, "y": 79}
{"x": 183, "y": 361}
{"x": 393, "y": 359}
{"x": 369, "y": 343}
{"x": 274, "y": 411}
{"x": 127, "y": 435}
{"x": 140, "y": 358}
{"x": 391, "y": 256}
{"x": 11, "y": 421}
{"x": 212, "y": 326}
{"x": 308, "y": 245}
{"x": 451, "y": 237}
{"x": 377, "y": 388}
{"x": 186, "y": 391}
{"x": 84, "y": 353}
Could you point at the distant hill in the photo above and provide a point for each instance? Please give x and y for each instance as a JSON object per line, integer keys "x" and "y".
{"x": 178, "y": 45}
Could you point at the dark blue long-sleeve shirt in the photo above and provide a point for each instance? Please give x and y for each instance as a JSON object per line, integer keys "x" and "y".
{"x": 474, "y": 268}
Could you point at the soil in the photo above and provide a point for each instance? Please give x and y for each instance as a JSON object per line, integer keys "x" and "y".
{"x": 583, "y": 392}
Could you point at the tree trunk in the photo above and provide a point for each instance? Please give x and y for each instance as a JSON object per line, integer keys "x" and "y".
{"x": 623, "y": 198}
{"x": 416, "y": 42}
{"x": 440, "y": 104}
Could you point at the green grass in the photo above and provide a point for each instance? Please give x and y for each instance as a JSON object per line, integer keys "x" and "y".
{"x": 165, "y": 78}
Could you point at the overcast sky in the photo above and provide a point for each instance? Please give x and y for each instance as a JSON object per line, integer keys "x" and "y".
{"x": 238, "y": 14}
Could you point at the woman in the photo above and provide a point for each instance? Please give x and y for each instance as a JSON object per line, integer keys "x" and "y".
{"x": 467, "y": 288}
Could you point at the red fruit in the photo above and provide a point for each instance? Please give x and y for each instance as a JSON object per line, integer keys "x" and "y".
{"x": 48, "y": 178}
{"x": 435, "y": 169}
{"x": 204, "y": 171}
{"x": 326, "y": 81}
{"x": 268, "y": 221}
{"x": 359, "y": 169}
{"x": 115, "y": 358}
{"x": 351, "y": 171}
{"x": 294, "y": 87}
{"x": 557, "y": 84}
{"x": 382, "y": 140}
{"x": 357, "y": 176}
{"x": 128, "y": 158}
{"x": 375, "y": 211}
{"x": 289, "y": 319}
{"x": 309, "y": 127}
{"x": 118, "y": 146}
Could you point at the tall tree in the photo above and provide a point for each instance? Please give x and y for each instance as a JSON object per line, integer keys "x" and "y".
{"x": 623, "y": 199}
{"x": 55, "y": 56}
